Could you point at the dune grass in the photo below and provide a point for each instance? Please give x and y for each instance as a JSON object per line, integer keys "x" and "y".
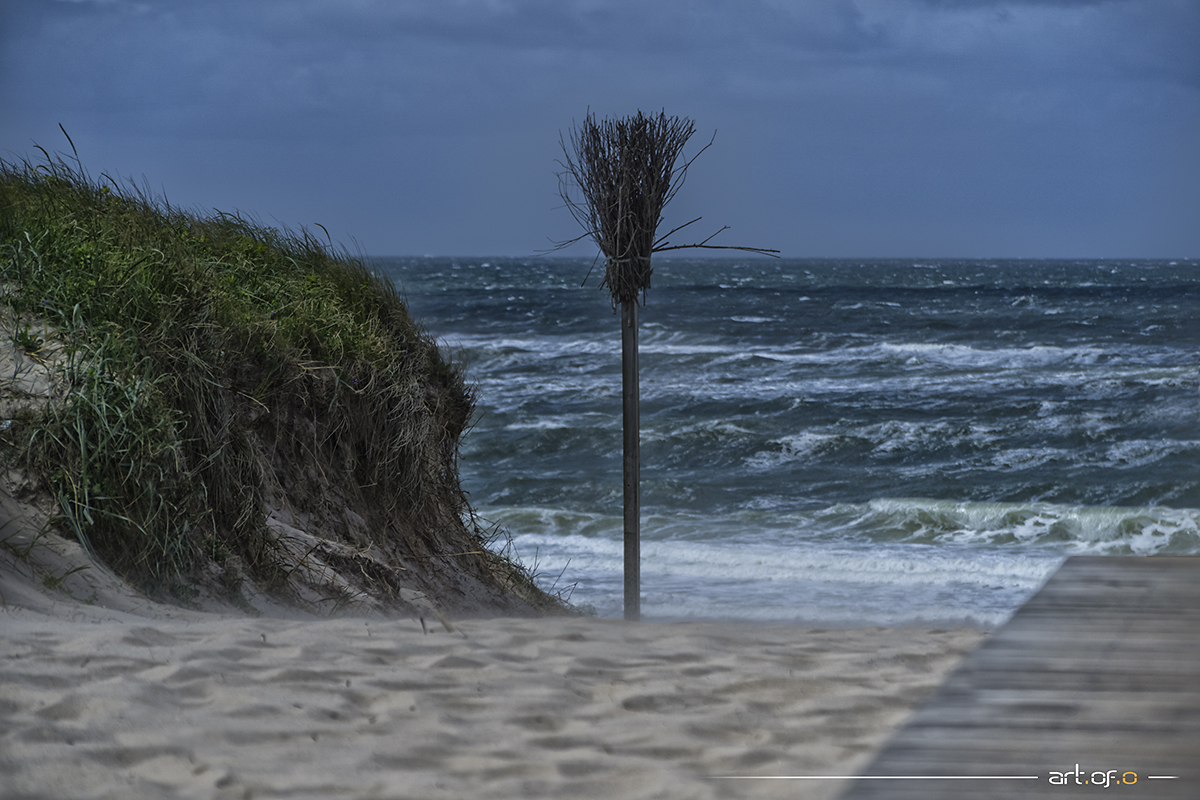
{"x": 202, "y": 350}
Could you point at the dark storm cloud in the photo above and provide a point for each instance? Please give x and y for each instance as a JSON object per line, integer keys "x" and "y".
{"x": 1007, "y": 127}
{"x": 300, "y": 56}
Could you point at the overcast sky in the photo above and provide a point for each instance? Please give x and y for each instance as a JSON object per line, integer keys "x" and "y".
{"x": 856, "y": 128}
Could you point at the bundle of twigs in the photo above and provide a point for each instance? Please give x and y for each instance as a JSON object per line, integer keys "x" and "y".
{"x": 626, "y": 171}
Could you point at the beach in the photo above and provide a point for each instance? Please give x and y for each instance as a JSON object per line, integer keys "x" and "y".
{"x": 157, "y": 702}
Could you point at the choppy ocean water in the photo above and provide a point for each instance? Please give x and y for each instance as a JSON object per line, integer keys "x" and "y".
{"x": 830, "y": 441}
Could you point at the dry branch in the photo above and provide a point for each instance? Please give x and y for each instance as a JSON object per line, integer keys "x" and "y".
{"x": 626, "y": 172}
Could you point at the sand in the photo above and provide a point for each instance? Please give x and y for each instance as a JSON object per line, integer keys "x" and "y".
{"x": 106, "y": 694}
{"x": 118, "y": 705}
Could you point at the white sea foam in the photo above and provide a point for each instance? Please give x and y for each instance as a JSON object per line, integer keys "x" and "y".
{"x": 550, "y": 423}
{"x": 1070, "y": 529}
{"x": 797, "y": 447}
{"x": 1030, "y": 457}
{"x": 893, "y": 561}
{"x": 709, "y": 430}
{"x": 711, "y": 579}
{"x": 1008, "y": 357}
{"x": 1139, "y": 452}
{"x": 878, "y": 439}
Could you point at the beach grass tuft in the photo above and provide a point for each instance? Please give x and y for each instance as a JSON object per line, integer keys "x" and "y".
{"x": 206, "y": 356}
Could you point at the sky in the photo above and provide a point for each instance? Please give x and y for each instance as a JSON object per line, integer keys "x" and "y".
{"x": 843, "y": 128}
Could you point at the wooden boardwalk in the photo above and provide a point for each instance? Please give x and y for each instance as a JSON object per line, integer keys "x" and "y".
{"x": 1100, "y": 669}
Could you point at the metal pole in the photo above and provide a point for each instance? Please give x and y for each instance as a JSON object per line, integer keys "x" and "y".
{"x": 632, "y": 462}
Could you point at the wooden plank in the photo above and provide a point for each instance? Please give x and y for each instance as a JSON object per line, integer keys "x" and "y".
{"x": 1100, "y": 670}
{"x": 1030, "y": 712}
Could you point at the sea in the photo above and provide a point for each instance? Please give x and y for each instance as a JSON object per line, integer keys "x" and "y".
{"x": 828, "y": 442}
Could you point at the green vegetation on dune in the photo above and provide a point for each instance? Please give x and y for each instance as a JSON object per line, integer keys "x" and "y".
{"x": 215, "y": 369}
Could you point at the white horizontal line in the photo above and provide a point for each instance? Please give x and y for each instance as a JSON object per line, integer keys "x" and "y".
{"x": 876, "y": 777}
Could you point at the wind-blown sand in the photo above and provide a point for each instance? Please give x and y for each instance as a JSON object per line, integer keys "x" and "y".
{"x": 116, "y": 705}
{"x": 120, "y": 697}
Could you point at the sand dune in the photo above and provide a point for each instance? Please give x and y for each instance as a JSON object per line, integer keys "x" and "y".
{"x": 118, "y": 705}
